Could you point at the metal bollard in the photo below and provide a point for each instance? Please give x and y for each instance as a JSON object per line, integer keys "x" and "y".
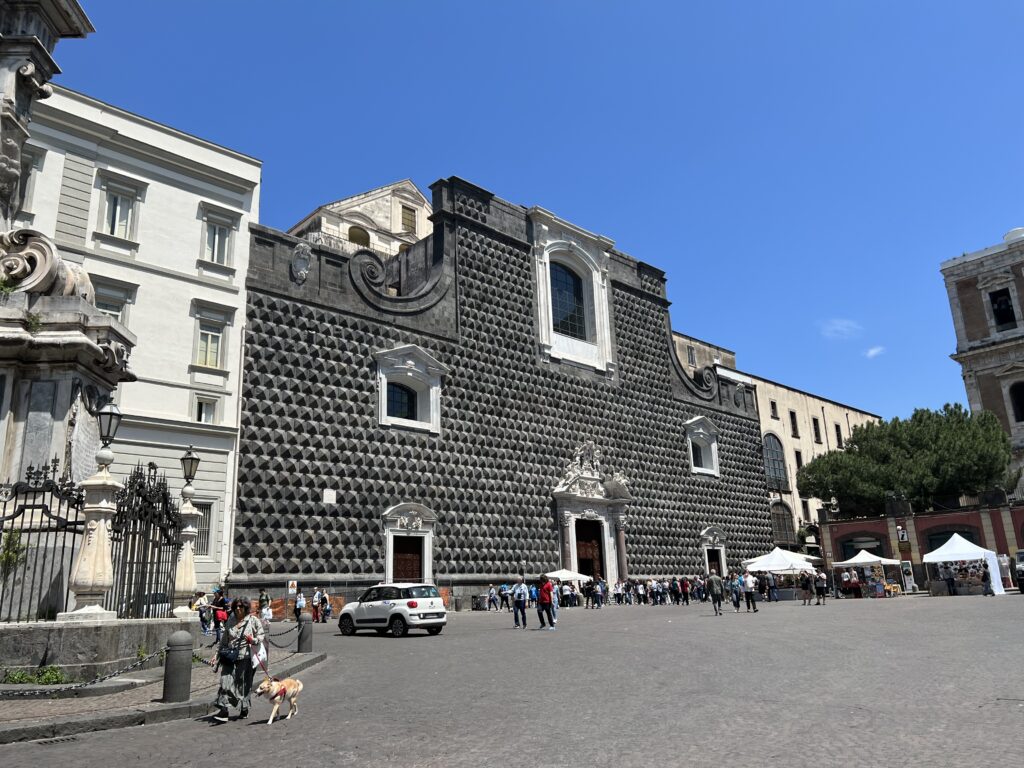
{"x": 178, "y": 667}
{"x": 305, "y": 633}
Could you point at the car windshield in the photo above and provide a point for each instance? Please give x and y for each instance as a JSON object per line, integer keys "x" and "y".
{"x": 424, "y": 591}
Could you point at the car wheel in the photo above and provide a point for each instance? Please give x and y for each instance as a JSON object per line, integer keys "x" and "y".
{"x": 398, "y": 627}
{"x": 346, "y": 626}
{"x": 434, "y": 630}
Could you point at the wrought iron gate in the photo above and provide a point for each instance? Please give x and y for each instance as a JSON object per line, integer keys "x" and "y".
{"x": 145, "y": 538}
{"x": 41, "y": 522}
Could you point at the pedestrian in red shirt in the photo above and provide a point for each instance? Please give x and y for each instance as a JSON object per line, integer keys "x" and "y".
{"x": 544, "y": 604}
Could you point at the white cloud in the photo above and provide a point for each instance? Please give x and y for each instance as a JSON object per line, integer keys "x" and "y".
{"x": 840, "y": 328}
{"x": 874, "y": 352}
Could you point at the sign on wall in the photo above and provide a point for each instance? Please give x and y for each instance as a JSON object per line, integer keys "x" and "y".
{"x": 293, "y": 588}
{"x": 908, "y": 576}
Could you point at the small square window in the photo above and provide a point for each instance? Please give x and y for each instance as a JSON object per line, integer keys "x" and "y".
{"x": 408, "y": 219}
{"x": 206, "y": 410}
{"x": 208, "y": 349}
{"x": 774, "y": 409}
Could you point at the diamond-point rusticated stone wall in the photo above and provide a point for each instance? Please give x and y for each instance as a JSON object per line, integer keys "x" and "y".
{"x": 510, "y": 419}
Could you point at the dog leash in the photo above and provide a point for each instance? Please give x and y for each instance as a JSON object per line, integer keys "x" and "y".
{"x": 262, "y": 665}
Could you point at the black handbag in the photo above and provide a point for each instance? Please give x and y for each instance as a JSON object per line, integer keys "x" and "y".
{"x": 229, "y": 654}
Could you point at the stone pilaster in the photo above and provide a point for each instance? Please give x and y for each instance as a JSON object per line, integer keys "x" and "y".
{"x": 185, "y": 567}
{"x": 92, "y": 574}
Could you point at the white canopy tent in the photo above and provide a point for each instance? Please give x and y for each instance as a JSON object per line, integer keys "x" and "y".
{"x": 959, "y": 548}
{"x": 780, "y": 561}
{"x": 865, "y": 559}
{"x": 564, "y": 574}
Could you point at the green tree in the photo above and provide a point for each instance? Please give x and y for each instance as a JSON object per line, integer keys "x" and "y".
{"x": 12, "y": 553}
{"x": 931, "y": 455}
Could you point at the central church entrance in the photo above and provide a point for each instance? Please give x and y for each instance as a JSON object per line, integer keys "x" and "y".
{"x": 408, "y": 558}
{"x": 589, "y": 552}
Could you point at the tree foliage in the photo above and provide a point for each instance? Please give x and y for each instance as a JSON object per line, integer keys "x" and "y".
{"x": 933, "y": 454}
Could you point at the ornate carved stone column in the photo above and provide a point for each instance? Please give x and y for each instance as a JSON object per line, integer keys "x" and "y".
{"x": 92, "y": 575}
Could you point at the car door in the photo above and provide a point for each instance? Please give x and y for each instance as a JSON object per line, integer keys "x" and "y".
{"x": 389, "y": 597}
{"x": 364, "y": 612}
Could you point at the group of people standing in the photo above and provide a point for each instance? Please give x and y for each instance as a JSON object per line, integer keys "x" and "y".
{"x": 320, "y": 606}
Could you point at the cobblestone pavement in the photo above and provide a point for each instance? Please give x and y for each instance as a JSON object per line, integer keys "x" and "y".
{"x": 204, "y": 683}
{"x": 904, "y": 682}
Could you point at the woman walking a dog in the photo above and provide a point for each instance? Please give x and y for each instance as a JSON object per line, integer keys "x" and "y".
{"x": 242, "y": 637}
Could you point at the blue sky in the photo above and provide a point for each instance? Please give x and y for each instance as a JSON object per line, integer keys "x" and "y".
{"x": 799, "y": 170}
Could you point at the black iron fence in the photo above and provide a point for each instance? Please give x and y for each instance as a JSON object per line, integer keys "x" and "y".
{"x": 41, "y": 523}
{"x": 145, "y": 541}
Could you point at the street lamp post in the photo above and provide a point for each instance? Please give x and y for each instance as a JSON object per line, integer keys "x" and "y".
{"x": 185, "y": 568}
{"x": 92, "y": 574}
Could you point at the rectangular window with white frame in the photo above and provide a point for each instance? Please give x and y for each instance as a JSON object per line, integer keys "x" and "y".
{"x": 208, "y": 351}
{"x": 201, "y": 547}
{"x": 120, "y": 203}
{"x": 113, "y": 297}
{"x": 219, "y": 226}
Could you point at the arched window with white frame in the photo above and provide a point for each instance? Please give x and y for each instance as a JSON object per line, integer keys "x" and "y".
{"x": 574, "y": 321}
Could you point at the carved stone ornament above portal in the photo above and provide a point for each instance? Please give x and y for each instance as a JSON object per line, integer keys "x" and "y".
{"x": 409, "y": 521}
{"x": 302, "y": 257}
{"x": 582, "y": 478}
{"x": 29, "y": 262}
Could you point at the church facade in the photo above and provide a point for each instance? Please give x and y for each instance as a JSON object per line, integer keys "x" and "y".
{"x": 501, "y": 397}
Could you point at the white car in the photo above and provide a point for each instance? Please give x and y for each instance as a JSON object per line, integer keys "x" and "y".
{"x": 395, "y": 609}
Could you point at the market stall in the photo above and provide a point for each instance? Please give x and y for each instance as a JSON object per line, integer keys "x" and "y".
{"x": 961, "y": 553}
{"x": 780, "y": 561}
{"x": 866, "y": 560}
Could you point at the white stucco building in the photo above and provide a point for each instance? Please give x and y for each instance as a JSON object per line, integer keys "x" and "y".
{"x": 159, "y": 219}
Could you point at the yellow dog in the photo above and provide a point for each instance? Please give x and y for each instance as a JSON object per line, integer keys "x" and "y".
{"x": 279, "y": 690}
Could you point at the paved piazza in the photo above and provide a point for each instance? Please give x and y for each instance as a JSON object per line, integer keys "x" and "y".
{"x": 911, "y": 681}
